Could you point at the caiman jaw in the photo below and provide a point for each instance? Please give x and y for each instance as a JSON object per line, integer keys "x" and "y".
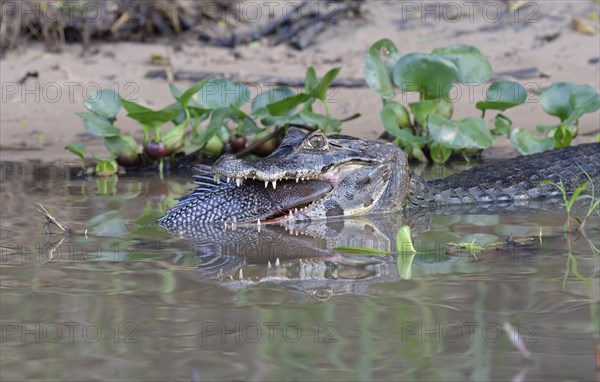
{"x": 331, "y": 176}
{"x": 364, "y": 175}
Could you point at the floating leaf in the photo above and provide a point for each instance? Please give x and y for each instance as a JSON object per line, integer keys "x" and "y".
{"x": 439, "y": 153}
{"x": 502, "y": 95}
{"x": 555, "y": 99}
{"x": 394, "y": 117}
{"x": 471, "y": 64}
{"x": 104, "y": 102}
{"x": 404, "y": 242}
{"x": 406, "y": 252}
{"x": 106, "y": 167}
{"x": 77, "y": 148}
{"x": 502, "y": 125}
{"x": 121, "y": 144}
{"x": 422, "y": 109}
{"x": 466, "y": 133}
{"x": 429, "y": 74}
{"x": 173, "y": 138}
{"x": 583, "y": 99}
{"x": 378, "y": 70}
{"x": 528, "y": 143}
{"x": 98, "y": 125}
{"x": 562, "y": 136}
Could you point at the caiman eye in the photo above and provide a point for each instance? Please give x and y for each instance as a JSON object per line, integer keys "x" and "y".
{"x": 317, "y": 141}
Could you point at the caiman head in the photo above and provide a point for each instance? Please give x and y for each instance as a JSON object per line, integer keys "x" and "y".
{"x": 365, "y": 176}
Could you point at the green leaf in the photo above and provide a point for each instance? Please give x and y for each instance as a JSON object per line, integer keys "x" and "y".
{"x": 185, "y": 98}
{"x": 466, "y": 133}
{"x": 325, "y": 82}
{"x": 406, "y": 136}
{"x": 406, "y": 252}
{"x": 378, "y": 70}
{"x": 248, "y": 127}
{"x": 502, "y": 95}
{"x": 429, "y": 74}
{"x": 471, "y": 64}
{"x": 106, "y": 167}
{"x": 77, "y": 148}
{"x": 394, "y": 117}
{"x": 404, "y": 242}
{"x": 471, "y": 246}
{"x": 422, "y": 109}
{"x": 216, "y": 121}
{"x": 502, "y": 125}
{"x": 98, "y": 125}
{"x": 282, "y": 120}
{"x": 216, "y": 94}
{"x": 547, "y": 129}
{"x": 555, "y": 100}
{"x": 528, "y": 143}
{"x": 562, "y": 137}
{"x": 356, "y": 250}
{"x": 439, "y": 153}
{"x": 104, "y": 102}
{"x": 173, "y": 137}
{"x": 585, "y": 99}
{"x": 325, "y": 123}
{"x": 310, "y": 82}
{"x": 133, "y": 107}
{"x": 175, "y": 91}
{"x": 282, "y": 107}
{"x": 575, "y": 195}
{"x": 122, "y": 144}
{"x": 155, "y": 117}
{"x": 270, "y": 96}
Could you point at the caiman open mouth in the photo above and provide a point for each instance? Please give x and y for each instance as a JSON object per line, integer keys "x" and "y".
{"x": 294, "y": 194}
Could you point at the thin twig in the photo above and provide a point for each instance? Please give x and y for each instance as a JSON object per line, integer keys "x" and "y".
{"x": 51, "y": 220}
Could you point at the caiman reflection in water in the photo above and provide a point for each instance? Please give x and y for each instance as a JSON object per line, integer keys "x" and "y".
{"x": 305, "y": 261}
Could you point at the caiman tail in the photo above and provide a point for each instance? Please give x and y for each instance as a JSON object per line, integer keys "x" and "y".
{"x": 514, "y": 179}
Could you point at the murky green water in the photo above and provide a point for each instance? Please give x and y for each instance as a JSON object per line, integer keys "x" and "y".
{"x": 132, "y": 302}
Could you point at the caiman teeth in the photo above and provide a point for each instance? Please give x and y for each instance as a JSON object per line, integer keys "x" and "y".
{"x": 274, "y": 184}
{"x": 239, "y": 181}
{"x": 217, "y": 179}
{"x": 266, "y": 183}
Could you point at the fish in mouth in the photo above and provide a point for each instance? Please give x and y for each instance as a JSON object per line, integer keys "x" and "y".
{"x": 309, "y": 176}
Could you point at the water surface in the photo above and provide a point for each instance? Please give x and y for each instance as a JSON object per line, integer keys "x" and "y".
{"x": 131, "y": 302}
